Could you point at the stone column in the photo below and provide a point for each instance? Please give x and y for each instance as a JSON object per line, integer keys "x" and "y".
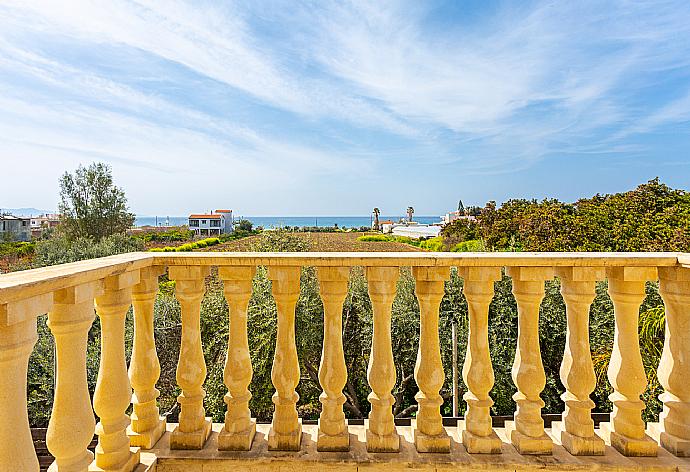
{"x": 194, "y": 428}
{"x": 674, "y": 368}
{"x": 576, "y": 431}
{"x": 72, "y": 422}
{"x": 477, "y": 435}
{"x": 626, "y": 431}
{"x": 381, "y": 433}
{"x": 527, "y": 431}
{"x": 113, "y": 392}
{"x": 144, "y": 369}
{"x": 286, "y": 430}
{"x": 239, "y": 429}
{"x": 429, "y": 433}
{"x": 17, "y": 339}
{"x": 333, "y": 433}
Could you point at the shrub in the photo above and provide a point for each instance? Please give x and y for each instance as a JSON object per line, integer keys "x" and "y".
{"x": 473, "y": 245}
{"x": 374, "y": 237}
{"x": 60, "y": 250}
{"x": 201, "y": 244}
{"x": 432, "y": 244}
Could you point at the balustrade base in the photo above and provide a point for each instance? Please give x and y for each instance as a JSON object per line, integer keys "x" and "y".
{"x": 577, "y": 445}
{"x": 285, "y": 442}
{"x": 128, "y": 466}
{"x": 528, "y": 445}
{"x": 379, "y": 443}
{"x": 309, "y": 459}
{"x": 239, "y": 441}
{"x": 476, "y": 444}
{"x": 192, "y": 440}
{"x": 333, "y": 443}
{"x": 631, "y": 447}
{"x": 677, "y": 446}
{"x": 77, "y": 465}
{"x": 427, "y": 443}
{"x": 147, "y": 439}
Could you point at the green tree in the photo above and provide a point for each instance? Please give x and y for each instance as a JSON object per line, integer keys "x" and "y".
{"x": 245, "y": 225}
{"x": 91, "y": 205}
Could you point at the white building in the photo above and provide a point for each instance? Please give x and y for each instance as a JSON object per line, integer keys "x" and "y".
{"x": 456, "y": 215}
{"x": 416, "y": 231}
{"x": 212, "y": 224}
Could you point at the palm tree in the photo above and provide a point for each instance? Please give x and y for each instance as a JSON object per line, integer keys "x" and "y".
{"x": 410, "y": 212}
{"x": 377, "y": 226}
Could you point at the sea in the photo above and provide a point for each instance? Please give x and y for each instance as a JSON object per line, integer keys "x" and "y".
{"x": 283, "y": 221}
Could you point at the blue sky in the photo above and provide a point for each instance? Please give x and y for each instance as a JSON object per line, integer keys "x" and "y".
{"x": 299, "y": 108}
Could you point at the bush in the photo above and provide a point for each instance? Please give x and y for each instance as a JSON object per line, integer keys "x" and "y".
{"x": 474, "y": 245}
{"x": 181, "y": 233}
{"x": 374, "y": 237}
{"x": 432, "y": 244}
{"x": 60, "y": 250}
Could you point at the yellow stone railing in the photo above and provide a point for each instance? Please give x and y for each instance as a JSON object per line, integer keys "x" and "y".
{"x": 68, "y": 293}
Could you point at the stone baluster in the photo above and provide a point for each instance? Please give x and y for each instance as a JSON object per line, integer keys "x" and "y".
{"x": 17, "y": 338}
{"x": 286, "y": 429}
{"x": 527, "y": 431}
{"x": 333, "y": 434}
{"x": 113, "y": 392}
{"x": 144, "y": 369}
{"x": 239, "y": 429}
{"x": 429, "y": 433}
{"x": 674, "y": 367}
{"x": 626, "y": 431}
{"x": 194, "y": 428}
{"x": 72, "y": 422}
{"x": 381, "y": 433}
{"x": 576, "y": 431}
{"x": 477, "y": 434}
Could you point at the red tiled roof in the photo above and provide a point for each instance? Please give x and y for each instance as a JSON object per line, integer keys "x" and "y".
{"x": 196, "y": 217}
{"x": 223, "y": 211}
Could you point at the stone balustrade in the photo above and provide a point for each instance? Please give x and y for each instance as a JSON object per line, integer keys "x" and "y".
{"x": 73, "y": 294}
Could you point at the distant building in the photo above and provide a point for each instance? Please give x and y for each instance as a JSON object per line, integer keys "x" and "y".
{"x": 416, "y": 231}
{"x": 386, "y": 226}
{"x": 15, "y": 228}
{"x": 456, "y": 215}
{"x": 211, "y": 224}
{"x": 43, "y": 222}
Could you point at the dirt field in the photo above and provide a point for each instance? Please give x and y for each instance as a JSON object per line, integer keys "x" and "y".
{"x": 326, "y": 242}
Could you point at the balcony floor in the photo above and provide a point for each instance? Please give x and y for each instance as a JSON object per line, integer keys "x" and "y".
{"x": 209, "y": 459}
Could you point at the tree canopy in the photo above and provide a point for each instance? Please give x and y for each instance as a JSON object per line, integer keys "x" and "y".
{"x": 91, "y": 205}
{"x": 652, "y": 217}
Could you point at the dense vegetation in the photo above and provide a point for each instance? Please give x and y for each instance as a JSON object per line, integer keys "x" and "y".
{"x": 653, "y": 217}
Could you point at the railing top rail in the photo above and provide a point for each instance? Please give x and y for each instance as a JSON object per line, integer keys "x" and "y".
{"x": 28, "y": 283}
{"x": 24, "y": 284}
{"x": 465, "y": 259}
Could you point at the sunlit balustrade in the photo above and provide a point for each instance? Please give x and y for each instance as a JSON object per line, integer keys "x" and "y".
{"x": 74, "y": 294}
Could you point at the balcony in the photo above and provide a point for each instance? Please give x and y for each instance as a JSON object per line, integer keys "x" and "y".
{"x": 145, "y": 441}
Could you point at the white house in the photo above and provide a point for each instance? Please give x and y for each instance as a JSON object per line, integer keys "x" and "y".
{"x": 212, "y": 224}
